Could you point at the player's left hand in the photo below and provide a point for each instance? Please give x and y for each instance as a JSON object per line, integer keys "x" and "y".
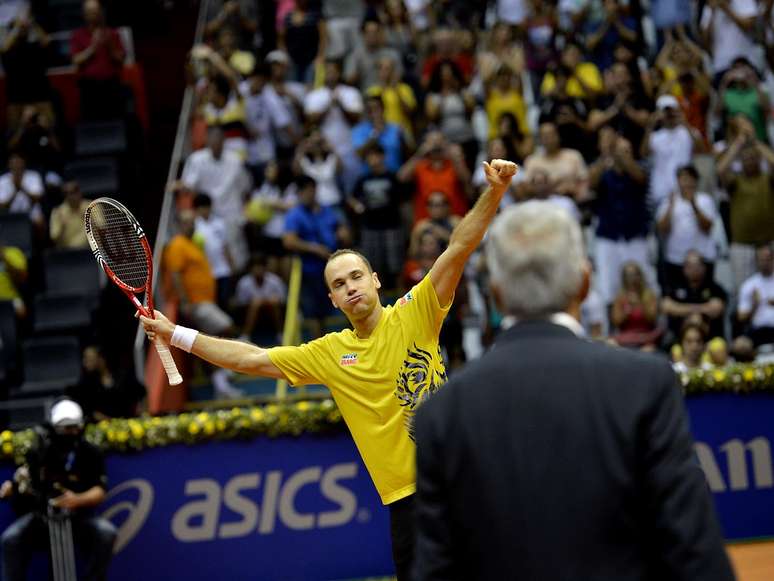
{"x": 499, "y": 173}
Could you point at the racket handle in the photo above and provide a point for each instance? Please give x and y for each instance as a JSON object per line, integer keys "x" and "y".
{"x": 173, "y": 375}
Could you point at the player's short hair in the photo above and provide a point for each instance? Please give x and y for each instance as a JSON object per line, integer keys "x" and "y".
{"x": 344, "y": 251}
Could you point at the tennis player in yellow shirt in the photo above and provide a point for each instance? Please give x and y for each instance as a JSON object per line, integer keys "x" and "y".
{"x": 380, "y": 370}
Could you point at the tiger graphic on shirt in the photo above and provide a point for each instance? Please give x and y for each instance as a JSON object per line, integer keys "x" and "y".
{"x": 420, "y": 376}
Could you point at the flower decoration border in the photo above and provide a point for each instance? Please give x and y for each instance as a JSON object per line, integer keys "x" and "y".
{"x": 144, "y": 432}
{"x": 294, "y": 419}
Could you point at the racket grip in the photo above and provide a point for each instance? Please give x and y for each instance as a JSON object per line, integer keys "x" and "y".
{"x": 173, "y": 375}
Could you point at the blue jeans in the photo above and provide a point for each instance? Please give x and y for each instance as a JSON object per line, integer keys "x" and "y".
{"x": 93, "y": 538}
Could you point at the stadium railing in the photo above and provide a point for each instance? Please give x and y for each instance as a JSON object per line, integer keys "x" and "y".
{"x": 152, "y": 374}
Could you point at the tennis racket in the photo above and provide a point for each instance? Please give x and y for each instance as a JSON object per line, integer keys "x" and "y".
{"x": 122, "y": 250}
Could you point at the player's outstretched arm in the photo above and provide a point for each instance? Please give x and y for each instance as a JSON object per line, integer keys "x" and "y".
{"x": 447, "y": 270}
{"x": 235, "y": 355}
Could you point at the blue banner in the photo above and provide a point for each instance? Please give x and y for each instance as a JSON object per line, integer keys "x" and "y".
{"x": 305, "y": 508}
{"x": 284, "y": 508}
{"x": 733, "y": 444}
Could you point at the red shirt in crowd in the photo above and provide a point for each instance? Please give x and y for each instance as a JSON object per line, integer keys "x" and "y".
{"x": 696, "y": 106}
{"x": 101, "y": 66}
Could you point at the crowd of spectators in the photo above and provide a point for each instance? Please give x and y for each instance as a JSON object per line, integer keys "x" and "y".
{"x": 37, "y": 182}
{"x": 324, "y": 123}
{"x": 366, "y": 122}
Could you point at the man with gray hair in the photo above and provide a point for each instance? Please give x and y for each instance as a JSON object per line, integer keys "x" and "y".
{"x": 556, "y": 457}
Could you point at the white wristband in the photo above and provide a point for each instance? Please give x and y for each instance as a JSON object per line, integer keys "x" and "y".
{"x": 183, "y": 338}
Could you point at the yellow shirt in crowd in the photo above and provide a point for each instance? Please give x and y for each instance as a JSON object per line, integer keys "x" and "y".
{"x": 66, "y": 228}
{"x": 588, "y": 72}
{"x": 242, "y": 62}
{"x": 378, "y": 382}
{"x": 499, "y": 103}
{"x": 15, "y": 259}
{"x": 398, "y": 101}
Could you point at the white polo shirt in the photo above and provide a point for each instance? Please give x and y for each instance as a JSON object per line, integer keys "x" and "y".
{"x": 728, "y": 40}
{"x": 685, "y": 233}
{"x": 764, "y": 314}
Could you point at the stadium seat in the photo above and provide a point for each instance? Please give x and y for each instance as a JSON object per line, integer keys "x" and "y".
{"x": 65, "y": 14}
{"x": 20, "y": 414}
{"x": 100, "y": 138}
{"x": 8, "y": 343}
{"x": 16, "y": 230}
{"x": 51, "y": 365}
{"x": 96, "y": 176}
{"x": 71, "y": 272}
{"x": 61, "y": 313}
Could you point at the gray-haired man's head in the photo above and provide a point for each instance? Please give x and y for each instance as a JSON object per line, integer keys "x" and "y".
{"x": 537, "y": 260}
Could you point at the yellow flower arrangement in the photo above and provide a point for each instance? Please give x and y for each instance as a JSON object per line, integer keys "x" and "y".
{"x": 291, "y": 419}
{"x": 737, "y": 378}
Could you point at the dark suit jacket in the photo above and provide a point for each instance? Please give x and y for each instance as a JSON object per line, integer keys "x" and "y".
{"x": 557, "y": 458}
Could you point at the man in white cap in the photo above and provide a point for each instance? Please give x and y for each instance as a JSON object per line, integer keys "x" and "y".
{"x": 670, "y": 143}
{"x": 63, "y": 470}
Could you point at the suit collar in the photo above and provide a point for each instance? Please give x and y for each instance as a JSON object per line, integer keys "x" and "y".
{"x": 540, "y": 328}
{"x": 568, "y": 321}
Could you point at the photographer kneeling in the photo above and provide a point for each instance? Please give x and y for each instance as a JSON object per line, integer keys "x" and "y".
{"x": 64, "y": 471}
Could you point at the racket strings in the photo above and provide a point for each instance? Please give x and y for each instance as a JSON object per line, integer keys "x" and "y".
{"x": 119, "y": 244}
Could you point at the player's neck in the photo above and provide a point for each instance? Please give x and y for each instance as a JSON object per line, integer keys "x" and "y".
{"x": 365, "y": 326}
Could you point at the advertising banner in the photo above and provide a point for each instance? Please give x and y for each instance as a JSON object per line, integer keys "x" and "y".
{"x": 733, "y": 444}
{"x": 305, "y": 508}
{"x": 283, "y": 508}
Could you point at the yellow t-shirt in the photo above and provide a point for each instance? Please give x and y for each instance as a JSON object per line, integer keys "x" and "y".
{"x": 670, "y": 74}
{"x": 378, "y": 382}
{"x": 393, "y": 110}
{"x": 16, "y": 260}
{"x": 242, "y": 62}
{"x": 586, "y": 71}
{"x": 498, "y": 103}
